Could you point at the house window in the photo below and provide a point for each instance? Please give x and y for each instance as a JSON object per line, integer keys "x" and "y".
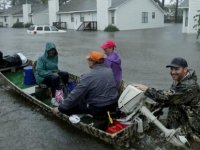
{"x": 144, "y": 17}
{"x": 72, "y": 17}
{"x": 17, "y": 19}
{"x": 81, "y": 17}
{"x": 112, "y": 17}
{"x": 186, "y": 21}
{"x": 5, "y": 19}
{"x": 153, "y": 15}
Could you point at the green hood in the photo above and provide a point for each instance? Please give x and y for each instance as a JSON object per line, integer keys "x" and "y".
{"x": 46, "y": 66}
{"x": 50, "y": 46}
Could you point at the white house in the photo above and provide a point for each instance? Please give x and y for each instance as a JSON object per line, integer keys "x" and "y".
{"x": 125, "y": 14}
{"x": 11, "y": 16}
{"x": 36, "y": 14}
{"x": 190, "y": 8}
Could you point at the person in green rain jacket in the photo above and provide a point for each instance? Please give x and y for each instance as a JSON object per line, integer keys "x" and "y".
{"x": 183, "y": 99}
{"x": 46, "y": 70}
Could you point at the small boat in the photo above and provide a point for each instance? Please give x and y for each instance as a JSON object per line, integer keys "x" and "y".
{"x": 15, "y": 78}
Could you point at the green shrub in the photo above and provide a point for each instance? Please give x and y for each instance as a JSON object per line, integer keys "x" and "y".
{"x": 111, "y": 28}
{"x": 27, "y": 25}
{"x": 18, "y": 25}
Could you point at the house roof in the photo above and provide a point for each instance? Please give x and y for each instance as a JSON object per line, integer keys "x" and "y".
{"x": 157, "y": 4}
{"x": 15, "y": 10}
{"x": 85, "y": 5}
{"x": 18, "y": 10}
{"x": 116, "y": 3}
{"x": 88, "y": 5}
{"x": 184, "y": 4}
{"x": 39, "y": 8}
{"x": 79, "y": 5}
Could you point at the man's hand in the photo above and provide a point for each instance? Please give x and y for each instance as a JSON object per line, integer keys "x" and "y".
{"x": 55, "y": 110}
{"x": 141, "y": 87}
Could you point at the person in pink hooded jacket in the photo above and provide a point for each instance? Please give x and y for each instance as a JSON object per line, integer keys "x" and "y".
{"x": 113, "y": 60}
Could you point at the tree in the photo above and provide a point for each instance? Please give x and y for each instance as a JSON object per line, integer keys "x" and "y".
{"x": 4, "y": 4}
{"x": 176, "y": 3}
{"x": 20, "y": 2}
{"x": 197, "y": 25}
{"x": 163, "y": 3}
{"x": 158, "y": 2}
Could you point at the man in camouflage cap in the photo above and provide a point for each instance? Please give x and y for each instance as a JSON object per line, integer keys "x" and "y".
{"x": 183, "y": 98}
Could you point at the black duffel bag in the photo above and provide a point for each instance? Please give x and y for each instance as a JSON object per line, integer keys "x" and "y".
{"x": 10, "y": 61}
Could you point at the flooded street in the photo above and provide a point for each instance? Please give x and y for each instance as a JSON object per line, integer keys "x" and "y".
{"x": 145, "y": 53}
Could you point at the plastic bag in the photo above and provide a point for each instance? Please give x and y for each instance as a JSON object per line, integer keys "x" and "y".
{"x": 115, "y": 127}
{"x": 59, "y": 96}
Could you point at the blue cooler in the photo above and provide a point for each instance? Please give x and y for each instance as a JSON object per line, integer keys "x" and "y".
{"x": 29, "y": 78}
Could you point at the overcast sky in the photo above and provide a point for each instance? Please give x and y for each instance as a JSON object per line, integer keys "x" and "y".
{"x": 167, "y": 1}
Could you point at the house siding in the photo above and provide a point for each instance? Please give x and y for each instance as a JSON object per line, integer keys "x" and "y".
{"x": 41, "y": 18}
{"x": 88, "y": 16}
{"x": 19, "y": 18}
{"x": 129, "y": 16}
{"x": 26, "y": 12}
{"x": 3, "y": 20}
{"x": 102, "y": 13}
{"x": 53, "y": 6}
{"x": 194, "y": 5}
{"x": 185, "y": 21}
{"x": 10, "y": 21}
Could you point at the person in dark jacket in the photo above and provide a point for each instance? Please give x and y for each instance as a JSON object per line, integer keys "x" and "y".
{"x": 113, "y": 60}
{"x": 95, "y": 94}
{"x": 47, "y": 71}
{"x": 183, "y": 98}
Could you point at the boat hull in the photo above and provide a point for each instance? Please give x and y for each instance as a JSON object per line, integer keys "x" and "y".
{"x": 119, "y": 139}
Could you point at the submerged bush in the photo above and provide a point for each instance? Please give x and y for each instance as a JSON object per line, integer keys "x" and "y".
{"x": 111, "y": 28}
{"x": 27, "y": 25}
{"x": 18, "y": 25}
